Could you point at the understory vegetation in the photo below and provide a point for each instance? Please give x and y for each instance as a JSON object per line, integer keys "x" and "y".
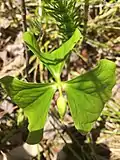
{"x": 59, "y": 79}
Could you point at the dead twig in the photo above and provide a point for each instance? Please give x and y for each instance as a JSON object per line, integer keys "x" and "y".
{"x": 24, "y": 23}
{"x": 86, "y": 8}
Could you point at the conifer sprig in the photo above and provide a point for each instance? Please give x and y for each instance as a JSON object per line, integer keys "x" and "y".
{"x": 67, "y": 15}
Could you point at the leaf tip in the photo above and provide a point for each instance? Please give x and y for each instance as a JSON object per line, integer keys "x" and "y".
{"x": 35, "y": 137}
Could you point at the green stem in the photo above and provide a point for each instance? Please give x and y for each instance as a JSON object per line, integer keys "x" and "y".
{"x": 60, "y": 90}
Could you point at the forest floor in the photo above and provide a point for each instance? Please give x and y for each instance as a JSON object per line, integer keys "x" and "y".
{"x": 61, "y": 141}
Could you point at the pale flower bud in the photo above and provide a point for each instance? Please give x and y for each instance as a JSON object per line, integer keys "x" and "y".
{"x": 61, "y": 104}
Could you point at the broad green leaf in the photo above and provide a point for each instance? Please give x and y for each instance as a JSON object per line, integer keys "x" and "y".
{"x": 35, "y": 100}
{"x": 88, "y": 93}
{"x": 32, "y": 44}
{"x": 61, "y": 54}
{"x": 55, "y": 60}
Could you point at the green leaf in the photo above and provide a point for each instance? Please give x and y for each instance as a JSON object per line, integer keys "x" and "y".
{"x": 35, "y": 100}
{"x": 32, "y": 43}
{"x": 88, "y": 93}
{"x": 60, "y": 54}
{"x": 55, "y": 60}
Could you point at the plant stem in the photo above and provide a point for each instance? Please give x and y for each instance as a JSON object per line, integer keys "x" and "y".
{"x": 60, "y": 90}
{"x": 23, "y": 12}
{"x": 69, "y": 147}
{"x": 86, "y": 9}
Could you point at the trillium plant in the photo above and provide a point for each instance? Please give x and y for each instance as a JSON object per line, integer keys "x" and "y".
{"x": 86, "y": 94}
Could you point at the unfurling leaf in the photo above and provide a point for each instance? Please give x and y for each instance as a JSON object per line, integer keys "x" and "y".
{"x": 88, "y": 93}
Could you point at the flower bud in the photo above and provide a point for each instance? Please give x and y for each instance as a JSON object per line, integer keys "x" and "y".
{"x": 61, "y": 104}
